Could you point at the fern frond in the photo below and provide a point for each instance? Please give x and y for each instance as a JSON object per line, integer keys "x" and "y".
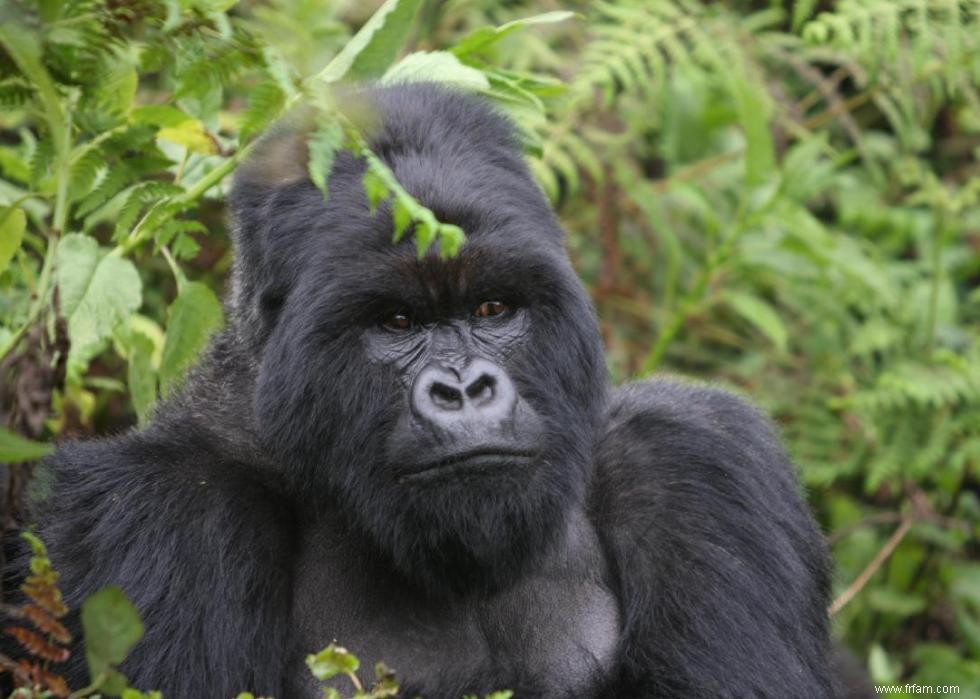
{"x": 912, "y": 53}
{"x": 136, "y": 199}
{"x": 112, "y": 181}
{"x": 267, "y": 100}
{"x": 14, "y": 93}
{"x": 916, "y": 385}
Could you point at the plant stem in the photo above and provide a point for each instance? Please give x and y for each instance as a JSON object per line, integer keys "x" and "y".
{"x": 174, "y": 267}
{"x": 140, "y": 234}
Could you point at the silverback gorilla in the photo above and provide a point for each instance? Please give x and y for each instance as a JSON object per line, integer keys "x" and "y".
{"x": 423, "y": 459}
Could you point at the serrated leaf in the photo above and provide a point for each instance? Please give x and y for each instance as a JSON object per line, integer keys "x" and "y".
{"x": 13, "y": 222}
{"x": 194, "y": 316}
{"x": 159, "y": 115}
{"x": 761, "y": 315}
{"x": 75, "y": 263}
{"x": 85, "y": 163}
{"x": 332, "y": 661}
{"x": 111, "y": 627}
{"x": 117, "y": 86}
{"x": 96, "y": 293}
{"x": 22, "y": 46}
{"x": 375, "y": 188}
{"x": 185, "y": 247}
{"x": 485, "y": 37}
{"x": 425, "y": 235}
{"x": 436, "y": 66}
{"x": 323, "y": 146}
{"x": 264, "y": 105}
{"x": 369, "y": 52}
{"x": 451, "y": 239}
{"x": 192, "y": 135}
{"x": 14, "y": 449}
{"x": 402, "y": 219}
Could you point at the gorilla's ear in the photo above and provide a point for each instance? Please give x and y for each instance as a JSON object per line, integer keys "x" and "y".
{"x": 270, "y": 191}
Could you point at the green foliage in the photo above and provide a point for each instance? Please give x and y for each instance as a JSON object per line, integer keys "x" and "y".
{"x": 15, "y": 449}
{"x": 194, "y": 315}
{"x": 369, "y": 53}
{"x": 111, "y": 626}
{"x": 782, "y": 197}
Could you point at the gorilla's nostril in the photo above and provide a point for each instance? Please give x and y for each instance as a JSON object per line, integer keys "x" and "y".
{"x": 446, "y": 397}
{"x": 481, "y": 390}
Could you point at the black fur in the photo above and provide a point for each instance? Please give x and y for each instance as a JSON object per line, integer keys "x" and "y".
{"x": 653, "y": 545}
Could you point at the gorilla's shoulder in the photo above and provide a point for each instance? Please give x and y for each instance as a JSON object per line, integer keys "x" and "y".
{"x": 163, "y": 451}
{"x": 136, "y": 487}
{"x": 695, "y": 495}
{"x": 667, "y": 442}
{"x": 655, "y": 411}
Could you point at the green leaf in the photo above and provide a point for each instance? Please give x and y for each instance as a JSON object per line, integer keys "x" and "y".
{"x": 753, "y": 108}
{"x": 111, "y": 627}
{"x": 194, "y": 316}
{"x": 332, "y": 661}
{"x": 883, "y": 669}
{"x": 130, "y": 693}
{"x": 402, "y": 218}
{"x": 426, "y": 229}
{"x": 14, "y": 449}
{"x": 323, "y": 146}
{"x": 21, "y": 43}
{"x": 95, "y": 294}
{"x": 13, "y": 221}
{"x": 159, "y": 115}
{"x": 369, "y": 52}
{"x": 375, "y": 188}
{"x": 141, "y": 376}
{"x": 895, "y": 602}
{"x": 264, "y": 105}
{"x": 484, "y": 37}
{"x": 451, "y": 239}
{"x": 436, "y": 66}
{"x": 115, "y": 683}
{"x": 75, "y": 263}
{"x": 802, "y": 9}
{"x": 761, "y": 315}
{"x": 192, "y": 135}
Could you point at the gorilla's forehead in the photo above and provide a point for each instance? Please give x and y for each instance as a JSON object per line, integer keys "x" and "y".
{"x": 488, "y": 267}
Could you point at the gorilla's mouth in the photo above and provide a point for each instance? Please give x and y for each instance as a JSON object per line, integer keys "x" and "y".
{"x": 485, "y": 461}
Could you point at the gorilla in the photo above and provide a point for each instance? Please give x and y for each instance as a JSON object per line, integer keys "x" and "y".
{"x": 423, "y": 459}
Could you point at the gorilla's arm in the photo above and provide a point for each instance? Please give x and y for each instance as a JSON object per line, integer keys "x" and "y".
{"x": 200, "y": 550}
{"x": 722, "y": 572}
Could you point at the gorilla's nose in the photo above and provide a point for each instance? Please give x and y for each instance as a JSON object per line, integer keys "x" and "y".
{"x": 481, "y": 392}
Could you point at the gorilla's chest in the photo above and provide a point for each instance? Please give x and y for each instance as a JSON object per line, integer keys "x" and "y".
{"x": 553, "y": 634}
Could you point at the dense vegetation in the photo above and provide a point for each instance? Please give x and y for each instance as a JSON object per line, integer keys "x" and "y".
{"x": 783, "y": 197}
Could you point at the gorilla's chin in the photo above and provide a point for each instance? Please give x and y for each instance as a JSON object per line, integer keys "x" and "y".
{"x": 447, "y": 534}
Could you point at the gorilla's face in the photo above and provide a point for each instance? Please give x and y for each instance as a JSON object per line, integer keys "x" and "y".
{"x": 448, "y": 406}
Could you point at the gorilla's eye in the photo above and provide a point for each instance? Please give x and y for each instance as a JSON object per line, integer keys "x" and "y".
{"x": 490, "y": 308}
{"x": 398, "y": 321}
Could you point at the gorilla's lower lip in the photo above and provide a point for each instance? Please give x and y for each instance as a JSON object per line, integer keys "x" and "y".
{"x": 486, "y": 460}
